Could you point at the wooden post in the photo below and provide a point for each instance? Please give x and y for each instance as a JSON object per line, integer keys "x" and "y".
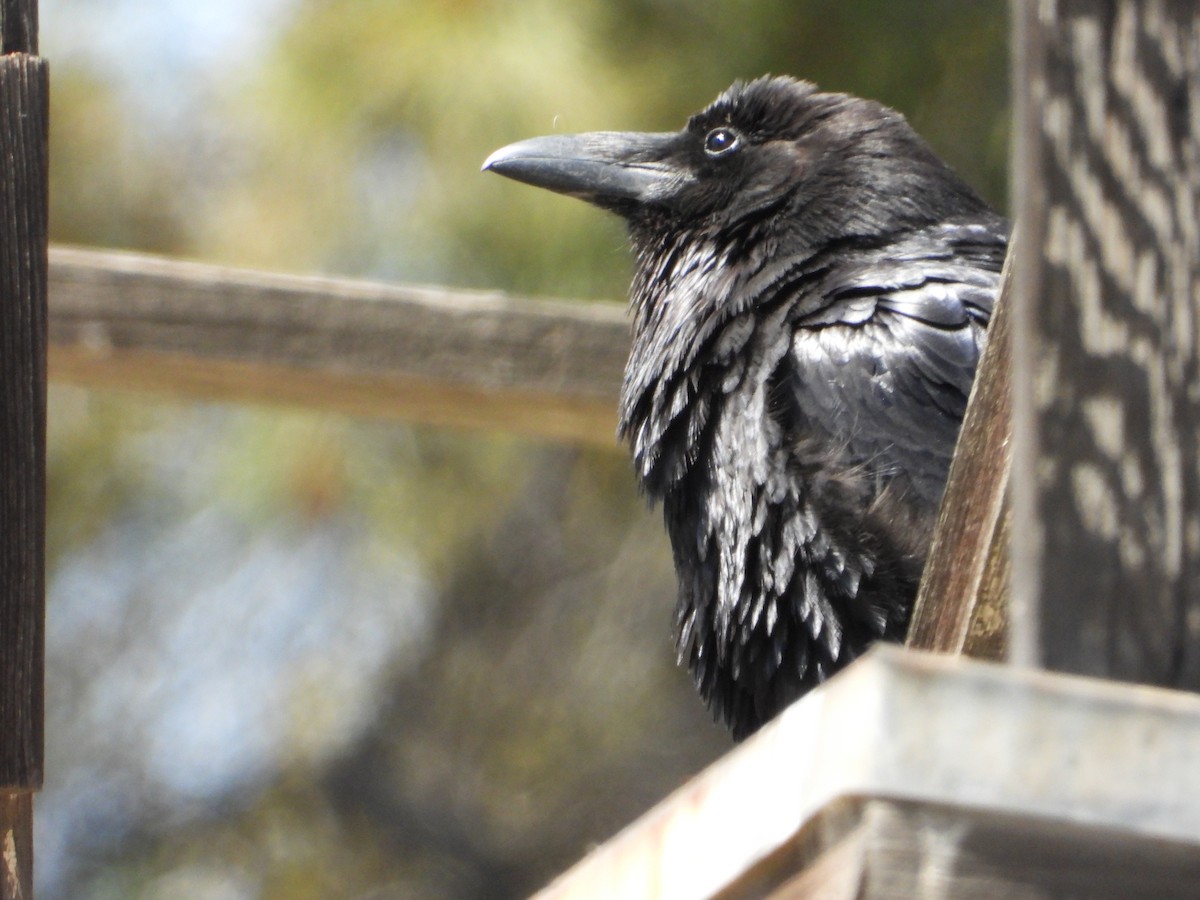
{"x": 1106, "y": 471}
{"x": 24, "y": 115}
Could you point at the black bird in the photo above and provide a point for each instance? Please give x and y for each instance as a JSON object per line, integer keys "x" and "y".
{"x": 811, "y": 296}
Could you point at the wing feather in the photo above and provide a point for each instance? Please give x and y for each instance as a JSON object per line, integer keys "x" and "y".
{"x": 883, "y": 366}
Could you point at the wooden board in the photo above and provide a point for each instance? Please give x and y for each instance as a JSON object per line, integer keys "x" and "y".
{"x": 1003, "y": 748}
{"x": 435, "y": 356}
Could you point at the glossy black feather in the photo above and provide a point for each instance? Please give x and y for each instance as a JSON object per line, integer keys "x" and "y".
{"x": 808, "y": 311}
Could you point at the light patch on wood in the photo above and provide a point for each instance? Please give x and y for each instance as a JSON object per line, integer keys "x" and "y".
{"x": 1095, "y": 500}
{"x": 1106, "y": 418}
{"x": 11, "y": 882}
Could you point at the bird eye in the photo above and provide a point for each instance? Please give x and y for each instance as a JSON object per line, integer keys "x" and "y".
{"x": 720, "y": 141}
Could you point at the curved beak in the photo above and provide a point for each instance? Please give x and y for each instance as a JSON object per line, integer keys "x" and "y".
{"x": 608, "y": 168}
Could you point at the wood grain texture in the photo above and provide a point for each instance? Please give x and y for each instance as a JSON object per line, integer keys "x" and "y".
{"x": 460, "y": 358}
{"x": 23, "y": 171}
{"x": 1107, "y": 194}
{"x": 962, "y": 606}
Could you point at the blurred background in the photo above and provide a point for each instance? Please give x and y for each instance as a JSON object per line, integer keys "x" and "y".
{"x": 296, "y": 655}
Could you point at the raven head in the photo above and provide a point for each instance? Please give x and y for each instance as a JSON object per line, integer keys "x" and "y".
{"x": 829, "y": 165}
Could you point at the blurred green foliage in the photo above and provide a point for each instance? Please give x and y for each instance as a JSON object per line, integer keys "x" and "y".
{"x": 543, "y": 710}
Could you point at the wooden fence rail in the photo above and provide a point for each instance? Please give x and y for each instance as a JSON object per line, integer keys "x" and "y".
{"x": 462, "y": 358}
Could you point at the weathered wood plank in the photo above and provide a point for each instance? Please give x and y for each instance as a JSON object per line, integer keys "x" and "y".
{"x": 989, "y": 742}
{"x": 461, "y": 358}
{"x": 1107, "y": 468}
{"x": 962, "y": 606}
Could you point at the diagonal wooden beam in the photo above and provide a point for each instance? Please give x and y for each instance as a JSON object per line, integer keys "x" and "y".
{"x": 962, "y": 606}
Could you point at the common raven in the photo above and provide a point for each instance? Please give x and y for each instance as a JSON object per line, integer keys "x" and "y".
{"x": 811, "y": 296}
